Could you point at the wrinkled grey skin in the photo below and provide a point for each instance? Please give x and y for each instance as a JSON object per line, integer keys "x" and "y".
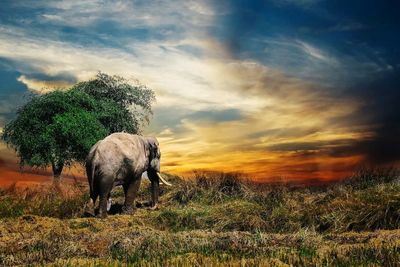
{"x": 120, "y": 159}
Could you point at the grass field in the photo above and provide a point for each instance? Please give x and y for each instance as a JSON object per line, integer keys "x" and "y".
{"x": 212, "y": 220}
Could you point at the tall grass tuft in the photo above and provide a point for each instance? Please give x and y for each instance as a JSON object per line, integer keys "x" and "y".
{"x": 365, "y": 177}
{"x": 55, "y": 200}
{"x": 368, "y": 200}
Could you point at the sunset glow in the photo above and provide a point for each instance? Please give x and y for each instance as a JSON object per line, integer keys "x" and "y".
{"x": 277, "y": 90}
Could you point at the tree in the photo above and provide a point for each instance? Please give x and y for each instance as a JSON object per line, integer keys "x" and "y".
{"x": 54, "y": 129}
{"x": 60, "y": 127}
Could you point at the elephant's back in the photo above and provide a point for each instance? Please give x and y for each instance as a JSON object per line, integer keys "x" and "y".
{"x": 119, "y": 144}
{"x": 116, "y": 149}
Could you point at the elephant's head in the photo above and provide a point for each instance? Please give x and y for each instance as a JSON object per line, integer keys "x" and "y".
{"x": 154, "y": 155}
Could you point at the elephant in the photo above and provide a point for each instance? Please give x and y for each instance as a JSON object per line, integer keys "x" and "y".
{"x": 121, "y": 159}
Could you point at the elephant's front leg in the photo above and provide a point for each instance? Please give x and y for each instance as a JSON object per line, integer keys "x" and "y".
{"x": 155, "y": 188}
{"x": 103, "y": 207}
{"x": 131, "y": 191}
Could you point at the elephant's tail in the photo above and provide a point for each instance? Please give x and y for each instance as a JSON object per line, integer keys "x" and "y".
{"x": 91, "y": 173}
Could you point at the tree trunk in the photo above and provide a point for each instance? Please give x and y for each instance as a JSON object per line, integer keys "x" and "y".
{"x": 57, "y": 169}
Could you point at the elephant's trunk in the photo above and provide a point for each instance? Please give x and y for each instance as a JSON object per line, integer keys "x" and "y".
{"x": 163, "y": 180}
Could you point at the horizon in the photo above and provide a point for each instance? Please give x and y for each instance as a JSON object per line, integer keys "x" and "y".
{"x": 290, "y": 90}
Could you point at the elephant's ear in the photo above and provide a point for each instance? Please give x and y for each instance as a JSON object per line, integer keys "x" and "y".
{"x": 152, "y": 148}
{"x": 147, "y": 152}
{"x": 147, "y": 149}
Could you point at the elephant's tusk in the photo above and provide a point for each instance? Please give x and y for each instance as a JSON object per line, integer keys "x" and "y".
{"x": 163, "y": 180}
{"x": 109, "y": 203}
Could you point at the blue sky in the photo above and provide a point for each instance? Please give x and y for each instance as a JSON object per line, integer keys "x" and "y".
{"x": 277, "y": 88}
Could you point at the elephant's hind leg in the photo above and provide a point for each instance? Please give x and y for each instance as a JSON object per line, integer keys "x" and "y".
{"x": 131, "y": 191}
{"x": 105, "y": 189}
{"x": 90, "y": 205}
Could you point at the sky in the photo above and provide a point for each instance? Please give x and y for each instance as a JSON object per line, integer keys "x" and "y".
{"x": 276, "y": 89}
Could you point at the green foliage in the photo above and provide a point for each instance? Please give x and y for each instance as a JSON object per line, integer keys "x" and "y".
{"x": 75, "y": 132}
{"x": 134, "y": 98}
{"x": 56, "y": 128}
{"x": 115, "y": 118}
{"x": 34, "y": 133}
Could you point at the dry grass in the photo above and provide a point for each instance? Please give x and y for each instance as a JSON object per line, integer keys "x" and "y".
{"x": 211, "y": 220}
{"x": 34, "y": 239}
{"x": 61, "y": 201}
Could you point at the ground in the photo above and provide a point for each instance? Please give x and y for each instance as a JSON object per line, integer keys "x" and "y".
{"x": 217, "y": 220}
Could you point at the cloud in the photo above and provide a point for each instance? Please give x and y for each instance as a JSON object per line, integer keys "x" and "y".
{"x": 176, "y": 80}
{"x": 379, "y": 111}
{"x": 350, "y": 66}
{"x": 211, "y": 107}
{"x": 159, "y": 14}
{"x": 216, "y": 115}
{"x": 232, "y": 96}
{"x": 263, "y": 140}
{"x": 316, "y": 53}
{"x": 41, "y": 87}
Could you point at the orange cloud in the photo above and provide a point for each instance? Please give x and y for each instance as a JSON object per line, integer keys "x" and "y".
{"x": 289, "y": 133}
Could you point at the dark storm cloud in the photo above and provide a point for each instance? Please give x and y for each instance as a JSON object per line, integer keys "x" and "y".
{"x": 382, "y": 114}
{"x": 331, "y": 42}
{"x": 349, "y": 48}
{"x": 379, "y": 115}
{"x": 296, "y": 146}
{"x": 321, "y": 146}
